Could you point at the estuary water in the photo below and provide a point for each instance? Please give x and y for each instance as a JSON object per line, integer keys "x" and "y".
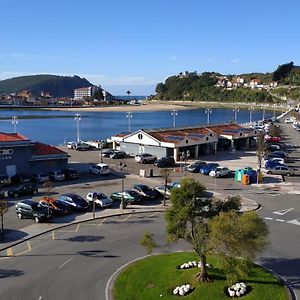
{"x": 59, "y": 127}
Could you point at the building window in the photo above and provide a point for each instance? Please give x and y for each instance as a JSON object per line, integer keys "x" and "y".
{"x": 207, "y": 138}
{"x": 186, "y": 141}
{"x": 140, "y": 136}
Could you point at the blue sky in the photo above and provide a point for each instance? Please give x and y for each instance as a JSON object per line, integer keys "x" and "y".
{"x": 133, "y": 45}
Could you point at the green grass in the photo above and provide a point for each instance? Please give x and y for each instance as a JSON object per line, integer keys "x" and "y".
{"x": 157, "y": 275}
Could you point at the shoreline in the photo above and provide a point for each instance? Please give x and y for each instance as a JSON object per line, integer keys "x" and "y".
{"x": 169, "y": 105}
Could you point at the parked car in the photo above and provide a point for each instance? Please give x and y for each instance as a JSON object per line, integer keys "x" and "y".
{"x": 145, "y": 158}
{"x": 130, "y": 196}
{"x": 56, "y": 207}
{"x": 101, "y": 200}
{"x": 272, "y": 138}
{"x": 40, "y": 178}
{"x": 23, "y": 190}
{"x": 71, "y": 173}
{"x": 71, "y": 145}
{"x": 20, "y": 178}
{"x": 100, "y": 169}
{"x": 208, "y": 167}
{"x": 164, "y": 162}
{"x": 5, "y": 180}
{"x": 82, "y": 146}
{"x": 74, "y": 201}
{"x": 118, "y": 154}
{"x": 195, "y": 167}
{"x": 281, "y": 170}
{"x": 145, "y": 191}
{"x": 107, "y": 152}
{"x": 33, "y": 210}
{"x": 277, "y": 154}
{"x": 281, "y": 153}
{"x": 274, "y": 161}
{"x": 162, "y": 190}
{"x": 56, "y": 175}
{"x": 220, "y": 172}
{"x": 288, "y": 120}
{"x": 273, "y": 147}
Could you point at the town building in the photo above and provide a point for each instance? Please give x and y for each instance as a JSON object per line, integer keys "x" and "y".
{"x": 192, "y": 141}
{"x": 85, "y": 92}
{"x": 18, "y": 154}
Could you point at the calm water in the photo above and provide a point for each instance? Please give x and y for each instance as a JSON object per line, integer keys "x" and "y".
{"x": 101, "y": 125}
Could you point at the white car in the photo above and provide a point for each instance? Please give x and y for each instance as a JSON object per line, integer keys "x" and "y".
{"x": 71, "y": 145}
{"x": 220, "y": 172}
{"x": 145, "y": 158}
{"x": 288, "y": 120}
{"x": 100, "y": 169}
{"x": 101, "y": 199}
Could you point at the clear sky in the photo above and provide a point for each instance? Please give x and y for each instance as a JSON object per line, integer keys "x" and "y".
{"x": 134, "y": 44}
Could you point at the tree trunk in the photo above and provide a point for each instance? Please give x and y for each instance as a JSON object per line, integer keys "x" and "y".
{"x": 203, "y": 275}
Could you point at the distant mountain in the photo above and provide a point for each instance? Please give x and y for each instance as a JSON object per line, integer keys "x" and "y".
{"x": 57, "y": 86}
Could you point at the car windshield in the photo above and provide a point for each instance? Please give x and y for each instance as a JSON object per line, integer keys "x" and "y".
{"x": 132, "y": 193}
{"x": 101, "y": 196}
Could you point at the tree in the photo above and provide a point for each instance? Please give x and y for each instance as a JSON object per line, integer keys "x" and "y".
{"x": 188, "y": 217}
{"x": 48, "y": 186}
{"x": 282, "y": 71}
{"x": 238, "y": 238}
{"x": 165, "y": 174}
{"x": 148, "y": 242}
{"x": 98, "y": 94}
{"x": 128, "y": 93}
{"x": 260, "y": 148}
{"x": 3, "y": 210}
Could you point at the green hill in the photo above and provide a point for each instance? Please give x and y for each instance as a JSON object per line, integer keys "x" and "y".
{"x": 57, "y": 86}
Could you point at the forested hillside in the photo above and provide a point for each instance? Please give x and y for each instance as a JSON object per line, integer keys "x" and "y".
{"x": 57, "y": 86}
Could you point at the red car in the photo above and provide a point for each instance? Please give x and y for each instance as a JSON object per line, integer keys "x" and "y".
{"x": 272, "y": 138}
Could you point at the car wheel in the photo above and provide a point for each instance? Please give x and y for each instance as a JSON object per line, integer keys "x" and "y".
{"x": 34, "y": 192}
{"x": 15, "y": 195}
{"x": 20, "y": 216}
{"x": 288, "y": 174}
{"x": 36, "y": 219}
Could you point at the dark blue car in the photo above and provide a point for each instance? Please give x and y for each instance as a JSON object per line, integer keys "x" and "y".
{"x": 271, "y": 164}
{"x": 209, "y": 167}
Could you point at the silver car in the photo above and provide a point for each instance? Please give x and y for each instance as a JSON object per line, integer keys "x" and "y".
{"x": 281, "y": 170}
{"x": 101, "y": 199}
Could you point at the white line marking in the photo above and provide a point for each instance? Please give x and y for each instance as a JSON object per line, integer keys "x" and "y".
{"x": 295, "y": 222}
{"x": 122, "y": 238}
{"x": 65, "y": 263}
{"x": 279, "y": 220}
{"x": 268, "y": 218}
{"x": 282, "y": 212}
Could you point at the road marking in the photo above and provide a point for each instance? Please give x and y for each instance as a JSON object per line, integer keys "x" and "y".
{"x": 26, "y": 251}
{"x": 268, "y": 218}
{"x": 295, "y": 222}
{"x": 122, "y": 238}
{"x": 126, "y": 218}
{"x": 279, "y": 220}
{"x": 65, "y": 263}
{"x": 53, "y": 235}
{"x": 77, "y": 227}
{"x": 102, "y": 221}
{"x": 9, "y": 252}
{"x": 40, "y": 297}
{"x": 153, "y": 214}
{"x": 282, "y": 212}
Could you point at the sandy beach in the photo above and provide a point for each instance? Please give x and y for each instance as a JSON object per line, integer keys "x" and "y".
{"x": 152, "y": 106}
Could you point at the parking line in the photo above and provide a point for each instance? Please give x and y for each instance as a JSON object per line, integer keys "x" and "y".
{"x": 153, "y": 214}
{"x": 279, "y": 220}
{"x": 9, "y": 252}
{"x": 65, "y": 262}
{"x": 126, "y": 218}
{"x": 102, "y": 222}
{"x": 77, "y": 227}
{"x": 268, "y": 218}
{"x": 26, "y": 251}
{"x": 53, "y": 235}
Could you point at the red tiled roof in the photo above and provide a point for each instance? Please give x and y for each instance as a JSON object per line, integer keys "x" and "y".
{"x": 12, "y": 137}
{"x": 43, "y": 149}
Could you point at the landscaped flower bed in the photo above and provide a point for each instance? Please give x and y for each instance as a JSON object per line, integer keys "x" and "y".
{"x": 191, "y": 264}
{"x": 237, "y": 290}
{"x": 183, "y": 290}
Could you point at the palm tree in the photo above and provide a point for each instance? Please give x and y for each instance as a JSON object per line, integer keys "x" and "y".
{"x": 128, "y": 93}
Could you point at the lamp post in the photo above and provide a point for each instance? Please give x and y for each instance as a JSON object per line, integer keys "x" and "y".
{"x": 122, "y": 168}
{"x": 274, "y": 113}
{"x": 129, "y": 116}
{"x": 14, "y": 122}
{"x": 78, "y": 119}
{"x": 208, "y": 111}
{"x": 250, "y": 113}
{"x": 101, "y": 146}
{"x": 236, "y": 110}
{"x": 174, "y": 114}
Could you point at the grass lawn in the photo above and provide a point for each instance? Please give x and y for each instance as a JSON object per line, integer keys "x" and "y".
{"x": 156, "y": 276}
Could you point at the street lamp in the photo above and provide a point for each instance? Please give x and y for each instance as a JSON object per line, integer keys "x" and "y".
{"x": 14, "y": 122}
{"x": 251, "y": 109}
{"x": 122, "y": 168}
{"x": 208, "y": 111}
{"x": 101, "y": 146}
{"x": 236, "y": 110}
{"x": 174, "y": 114}
{"x": 129, "y": 116}
{"x": 78, "y": 119}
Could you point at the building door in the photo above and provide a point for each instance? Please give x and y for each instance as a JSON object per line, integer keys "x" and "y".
{"x": 11, "y": 170}
{"x": 141, "y": 149}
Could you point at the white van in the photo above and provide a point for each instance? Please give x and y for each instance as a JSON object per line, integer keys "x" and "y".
{"x": 100, "y": 169}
